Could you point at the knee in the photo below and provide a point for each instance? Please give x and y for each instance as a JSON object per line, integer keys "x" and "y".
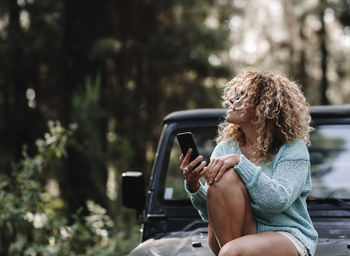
{"x": 233, "y": 249}
{"x": 229, "y": 252}
{"x": 228, "y": 182}
{"x": 231, "y": 177}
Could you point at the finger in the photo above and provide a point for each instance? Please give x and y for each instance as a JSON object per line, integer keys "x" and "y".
{"x": 202, "y": 173}
{"x": 194, "y": 175}
{"x": 211, "y": 163}
{"x": 221, "y": 172}
{"x": 205, "y": 171}
{"x": 209, "y": 168}
{"x": 195, "y": 162}
{"x": 182, "y": 163}
{"x": 215, "y": 170}
{"x": 181, "y": 157}
{"x": 199, "y": 168}
{"x": 185, "y": 160}
{"x": 216, "y": 163}
{"x": 188, "y": 155}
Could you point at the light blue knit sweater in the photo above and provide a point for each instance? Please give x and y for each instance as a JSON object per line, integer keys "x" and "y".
{"x": 278, "y": 191}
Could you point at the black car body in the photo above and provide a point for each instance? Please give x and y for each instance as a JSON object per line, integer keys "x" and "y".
{"x": 171, "y": 225}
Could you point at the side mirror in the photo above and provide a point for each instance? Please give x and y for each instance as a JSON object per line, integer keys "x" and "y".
{"x": 133, "y": 190}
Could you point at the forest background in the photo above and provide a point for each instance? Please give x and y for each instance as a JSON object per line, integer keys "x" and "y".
{"x": 84, "y": 86}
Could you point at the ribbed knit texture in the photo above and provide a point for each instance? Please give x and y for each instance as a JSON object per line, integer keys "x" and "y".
{"x": 278, "y": 191}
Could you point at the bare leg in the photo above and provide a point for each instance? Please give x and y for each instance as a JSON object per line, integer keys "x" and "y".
{"x": 229, "y": 210}
{"x": 212, "y": 241}
{"x": 232, "y": 227}
{"x": 266, "y": 243}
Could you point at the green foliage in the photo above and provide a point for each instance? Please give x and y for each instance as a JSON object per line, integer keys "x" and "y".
{"x": 153, "y": 57}
{"x": 33, "y": 220}
{"x": 88, "y": 154}
{"x": 86, "y": 104}
{"x": 105, "y": 48}
{"x": 88, "y": 113}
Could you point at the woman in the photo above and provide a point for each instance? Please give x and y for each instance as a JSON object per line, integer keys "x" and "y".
{"x": 258, "y": 178}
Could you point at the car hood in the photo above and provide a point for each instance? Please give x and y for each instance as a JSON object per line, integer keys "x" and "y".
{"x": 192, "y": 243}
{"x": 185, "y": 243}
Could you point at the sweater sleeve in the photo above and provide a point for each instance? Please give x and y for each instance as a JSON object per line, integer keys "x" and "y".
{"x": 199, "y": 199}
{"x": 274, "y": 194}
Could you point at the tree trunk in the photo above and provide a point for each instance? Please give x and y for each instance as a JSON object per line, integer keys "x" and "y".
{"x": 324, "y": 57}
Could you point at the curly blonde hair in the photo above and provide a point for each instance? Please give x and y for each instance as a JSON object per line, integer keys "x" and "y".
{"x": 280, "y": 107}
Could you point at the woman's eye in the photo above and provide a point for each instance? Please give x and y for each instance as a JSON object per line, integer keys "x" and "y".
{"x": 238, "y": 95}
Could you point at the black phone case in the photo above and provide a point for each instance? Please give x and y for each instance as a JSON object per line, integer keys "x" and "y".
{"x": 186, "y": 142}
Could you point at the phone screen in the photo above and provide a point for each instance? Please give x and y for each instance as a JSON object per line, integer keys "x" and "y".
{"x": 186, "y": 142}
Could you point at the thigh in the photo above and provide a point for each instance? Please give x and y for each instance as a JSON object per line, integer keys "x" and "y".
{"x": 266, "y": 243}
{"x": 212, "y": 240}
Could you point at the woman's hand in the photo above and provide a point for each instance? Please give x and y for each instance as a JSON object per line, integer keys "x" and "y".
{"x": 192, "y": 173}
{"x": 218, "y": 166}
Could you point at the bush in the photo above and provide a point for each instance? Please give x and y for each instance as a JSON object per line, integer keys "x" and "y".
{"x": 32, "y": 215}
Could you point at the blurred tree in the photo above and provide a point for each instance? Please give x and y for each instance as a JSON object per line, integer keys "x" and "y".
{"x": 14, "y": 89}
{"x": 162, "y": 65}
{"x": 339, "y": 46}
{"x": 153, "y": 57}
{"x": 159, "y": 62}
{"x": 30, "y": 60}
{"x": 324, "y": 53}
{"x": 83, "y": 23}
{"x": 342, "y": 11}
{"x": 86, "y": 175}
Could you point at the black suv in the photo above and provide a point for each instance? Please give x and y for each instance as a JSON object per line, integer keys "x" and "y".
{"x": 171, "y": 225}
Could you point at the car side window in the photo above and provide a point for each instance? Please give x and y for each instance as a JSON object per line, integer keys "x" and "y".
{"x": 330, "y": 165}
{"x": 174, "y": 182}
{"x": 329, "y": 155}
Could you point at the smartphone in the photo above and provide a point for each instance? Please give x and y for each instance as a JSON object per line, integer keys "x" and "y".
{"x": 186, "y": 142}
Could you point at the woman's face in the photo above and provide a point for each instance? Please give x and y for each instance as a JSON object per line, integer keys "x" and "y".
{"x": 237, "y": 113}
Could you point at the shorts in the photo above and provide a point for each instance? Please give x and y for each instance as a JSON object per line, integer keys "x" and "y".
{"x": 302, "y": 251}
